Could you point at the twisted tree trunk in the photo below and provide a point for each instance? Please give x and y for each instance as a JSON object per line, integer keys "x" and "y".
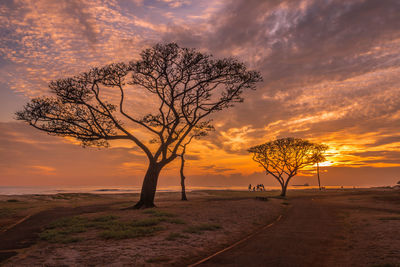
{"x": 284, "y": 186}
{"x": 149, "y": 186}
{"x": 283, "y": 191}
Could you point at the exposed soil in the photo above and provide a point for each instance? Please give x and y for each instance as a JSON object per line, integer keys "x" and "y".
{"x": 25, "y": 234}
{"x": 351, "y": 229}
{"x": 329, "y": 228}
{"x": 235, "y": 216}
{"x": 303, "y": 237}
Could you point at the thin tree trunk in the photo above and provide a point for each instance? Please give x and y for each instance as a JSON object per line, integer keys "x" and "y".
{"x": 283, "y": 192}
{"x": 149, "y": 187}
{"x": 319, "y": 182}
{"x": 183, "y": 177}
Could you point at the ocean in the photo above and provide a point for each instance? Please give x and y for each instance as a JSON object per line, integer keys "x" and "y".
{"x": 50, "y": 190}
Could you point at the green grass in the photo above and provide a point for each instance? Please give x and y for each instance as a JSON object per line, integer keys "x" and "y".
{"x": 158, "y": 213}
{"x": 57, "y": 236}
{"x": 65, "y": 229}
{"x": 69, "y": 222}
{"x": 123, "y": 231}
{"x": 62, "y": 230}
{"x": 146, "y": 222}
{"x": 175, "y": 236}
{"x": 199, "y": 229}
{"x": 163, "y": 216}
{"x": 176, "y": 221}
{"x": 105, "y": 218}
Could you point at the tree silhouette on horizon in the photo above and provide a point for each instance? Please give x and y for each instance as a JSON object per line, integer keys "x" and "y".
{"x": 319, "y": 157}
{"x": 200, "y": 131}
{"x": 283, "y": 158}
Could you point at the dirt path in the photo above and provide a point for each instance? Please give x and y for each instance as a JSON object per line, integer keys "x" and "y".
{"x": 301, "y": 238}
{"x": 25, "y": 233}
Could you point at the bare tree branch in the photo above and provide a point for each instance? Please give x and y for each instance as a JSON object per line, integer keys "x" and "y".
{"x": 187, "y": 86}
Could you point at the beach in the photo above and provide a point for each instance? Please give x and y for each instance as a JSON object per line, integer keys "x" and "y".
{"x": 95, "y": 229}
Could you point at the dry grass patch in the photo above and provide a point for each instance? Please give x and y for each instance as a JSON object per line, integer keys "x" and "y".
{"x": 65, "y": 230}
{"x": 199, "y": 229}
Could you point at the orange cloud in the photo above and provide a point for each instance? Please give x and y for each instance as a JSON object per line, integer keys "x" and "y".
{"x": 44, "y": 170}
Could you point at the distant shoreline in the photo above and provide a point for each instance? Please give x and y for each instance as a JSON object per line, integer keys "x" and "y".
{"x": 53, "y": 190}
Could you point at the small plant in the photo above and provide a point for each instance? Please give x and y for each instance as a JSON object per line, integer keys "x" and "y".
{"x": 176, "y": 221}
{"x": 60, "y": 231}
{"x": 158, "y": 213}
{"x": 105, "y": 218}
{"x": 68, "y": 222}
{"x": 126, "y": 231}
{"x": 102, "y": 222}
{"x": 175, "y": 236}
{"x": 146, "y": 222}
{"x": 58, "y": 236}
{"x": 198, "y": 229}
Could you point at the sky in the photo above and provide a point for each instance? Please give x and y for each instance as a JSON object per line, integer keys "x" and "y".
{"x": 331, "y": 74}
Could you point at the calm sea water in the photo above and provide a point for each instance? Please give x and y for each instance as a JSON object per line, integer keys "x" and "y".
{"x": 48, "y": 190}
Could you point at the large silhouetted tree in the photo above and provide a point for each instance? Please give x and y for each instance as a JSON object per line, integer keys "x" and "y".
{"x": 185, "y": 86}
{"x": 283, "y": 158}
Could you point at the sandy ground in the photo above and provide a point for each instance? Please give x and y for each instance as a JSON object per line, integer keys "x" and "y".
{"x": 329, "y": 228}
{"x": 350, "y": 228}
{"x": 236, "y": 215}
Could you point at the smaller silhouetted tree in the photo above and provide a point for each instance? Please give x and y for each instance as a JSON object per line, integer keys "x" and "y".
{"x": 319, "y": 157}
{"x": 283, "y": 158}
{"x": 200, "y": 131}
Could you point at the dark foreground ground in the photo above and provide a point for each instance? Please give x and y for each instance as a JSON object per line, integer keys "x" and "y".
{"x": 356, "y": 228}
{"x": 329, "y": 228}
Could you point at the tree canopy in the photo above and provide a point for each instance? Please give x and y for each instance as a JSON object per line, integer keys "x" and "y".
{"x": 283, "y": 158}
{"x": 187, "y": 86}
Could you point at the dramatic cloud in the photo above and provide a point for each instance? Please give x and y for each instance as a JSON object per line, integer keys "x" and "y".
{"x": 331, "y": 74}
